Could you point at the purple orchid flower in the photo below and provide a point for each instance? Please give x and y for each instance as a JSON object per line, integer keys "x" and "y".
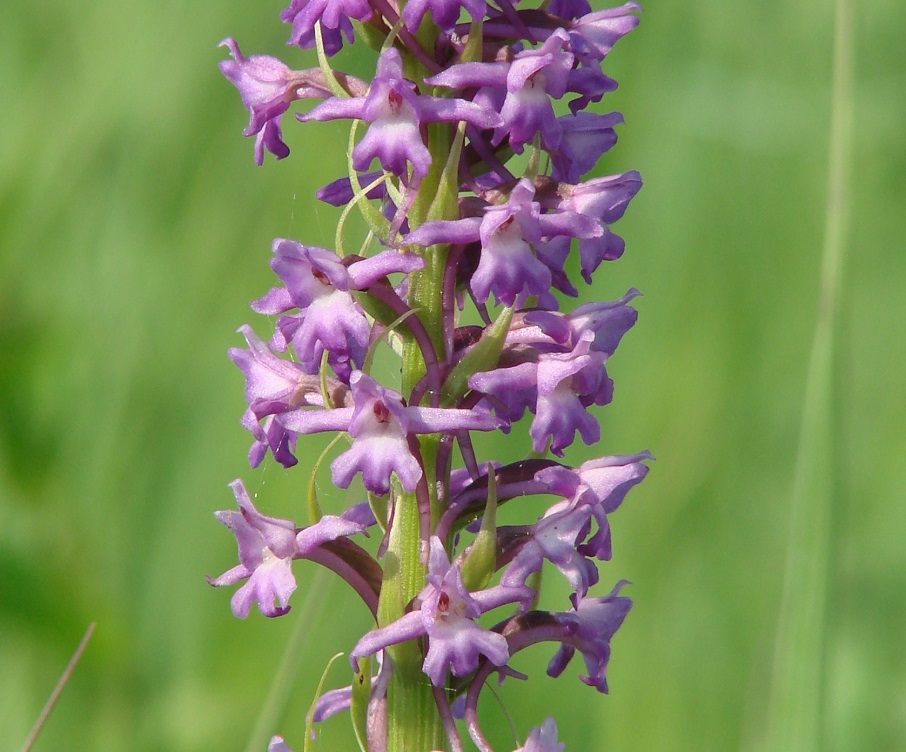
{"x": 599, "y": 485}
{"x": 272, "y": 385}
{"x": 476, "y": 226}
{"x": 603, "y": 199}
{"x": 267, "y": 546}
{"x": 396, "y": 113}
{"x": 521, "y": 90}
{"x": 569, "y": 9}
{"x": 566, "y": 385}
{"x": 269, "y": 436}
{"x": 320, "y": 285}
{"x": 551, "y": 331}
{"x": 266, "y": 549}
{"x": 444, "y": 13}
{"x": 333, "y": 15}
{"x": 542, "y": 739}
{"x": 585, "y": 138}
{"x": 554, "y": 537}
{"x": 589, "y": 629}
{"x": 593, "y": 35}
{"x": 447, "y": 616}
{"x": 508, "y": 267}
{"x": 277, "y": 744}
{"x": 380, "y": 425}
{"x": 267, "y": 88}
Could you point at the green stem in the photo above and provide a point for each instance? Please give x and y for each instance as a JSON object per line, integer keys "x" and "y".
{"x": 413, "y": 724}
{"x": 426, "y": 285}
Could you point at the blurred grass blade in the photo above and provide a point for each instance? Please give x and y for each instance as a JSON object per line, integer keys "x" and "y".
{"x": 797, "y": 697}
{"x": 288, "y": 669}
{"x": 57, "y": 690}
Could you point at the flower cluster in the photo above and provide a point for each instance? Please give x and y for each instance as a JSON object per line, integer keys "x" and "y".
{"x": 469, "y": 175}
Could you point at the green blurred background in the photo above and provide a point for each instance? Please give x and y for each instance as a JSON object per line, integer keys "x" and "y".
{"x": 135, "y": 228}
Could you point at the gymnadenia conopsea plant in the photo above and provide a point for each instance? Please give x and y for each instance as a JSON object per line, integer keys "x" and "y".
{"x": 466, "y": 154}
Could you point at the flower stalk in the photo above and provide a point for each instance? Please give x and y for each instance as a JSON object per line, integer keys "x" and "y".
{"x": 471, "y": 185}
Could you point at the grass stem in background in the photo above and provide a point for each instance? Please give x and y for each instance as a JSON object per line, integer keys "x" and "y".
{"x": 288, "y": 670}
{"x": 57, "y": 690}
{"x": 797, "y": 695}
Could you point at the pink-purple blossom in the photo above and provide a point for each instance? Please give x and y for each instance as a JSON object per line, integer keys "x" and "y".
{"x": 542, "y": 739}
{"x": 395, "y": 113}
{"x": 320, "y": 286}
{"x": 380, "y": 426}
{"x": 510, "y": 234}
{"x": 334, "y": 16}
{"x": 266, "y": 549}
{"x": 267, "y": 88}
{"x": 446, "y": 616}
{"x": 450, "y": 316}
{"x": 589, "y": 629}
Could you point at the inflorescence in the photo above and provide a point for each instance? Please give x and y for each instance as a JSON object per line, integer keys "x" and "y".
{"x": 471, "y": 185}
